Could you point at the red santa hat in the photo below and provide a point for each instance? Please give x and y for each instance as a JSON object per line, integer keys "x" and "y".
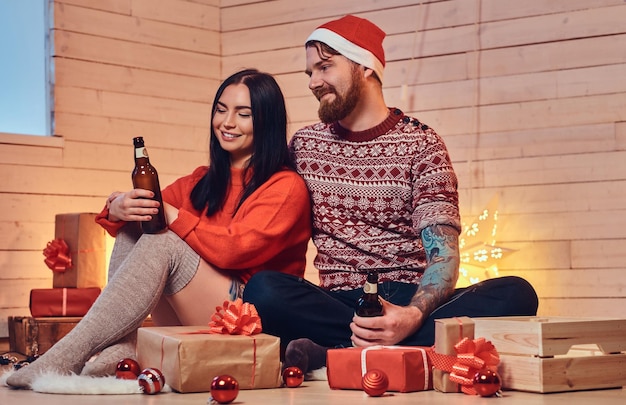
{"x": 355, "y": 38}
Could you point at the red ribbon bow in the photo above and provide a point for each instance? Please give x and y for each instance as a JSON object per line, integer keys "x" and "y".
{"x": 235, "y": 318}
{"x": 57, "y": 254}
{"x": 472, "y": 356}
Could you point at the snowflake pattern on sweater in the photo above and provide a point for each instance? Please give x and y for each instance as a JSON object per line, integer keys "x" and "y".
{"x": 373, "y": 192}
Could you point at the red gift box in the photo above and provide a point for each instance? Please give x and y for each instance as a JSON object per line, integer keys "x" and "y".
{"x": 408, "y": 367}
{"x": 46, "y": 302}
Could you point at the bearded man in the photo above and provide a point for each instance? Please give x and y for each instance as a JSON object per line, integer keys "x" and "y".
{"x": 385, "y": 199}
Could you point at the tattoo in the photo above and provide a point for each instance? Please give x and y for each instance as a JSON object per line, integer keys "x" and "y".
{"x": 441, "y": 243}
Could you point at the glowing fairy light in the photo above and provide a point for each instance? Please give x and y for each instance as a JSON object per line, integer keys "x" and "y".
{"x": 479, "y": 254}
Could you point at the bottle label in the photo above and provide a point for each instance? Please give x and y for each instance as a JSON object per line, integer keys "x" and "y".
{"x": 370, "y": 288}
{"x": 141, "y": 152}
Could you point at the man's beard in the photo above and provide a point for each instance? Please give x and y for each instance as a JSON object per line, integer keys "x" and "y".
{"x": 342, "y": 105}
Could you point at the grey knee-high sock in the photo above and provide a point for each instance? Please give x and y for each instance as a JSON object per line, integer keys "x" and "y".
{"x": 125, "y": 241}
{"x": 106, "y": 362}
{"x": 121, "y": 307}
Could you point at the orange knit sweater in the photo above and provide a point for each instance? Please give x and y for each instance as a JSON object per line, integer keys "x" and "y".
{"x": 270, "y": 231}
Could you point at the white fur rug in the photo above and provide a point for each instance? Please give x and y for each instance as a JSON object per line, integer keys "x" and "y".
{"x": 317, "y": 375}
{"x": 83, "y": 385}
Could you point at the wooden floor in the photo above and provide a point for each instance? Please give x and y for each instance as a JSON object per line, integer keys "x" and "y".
{"x": 314, "y": 393}
{"x": 318, "y": 393}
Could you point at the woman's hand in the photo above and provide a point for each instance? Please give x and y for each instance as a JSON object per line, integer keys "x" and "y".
{"x": 134, "y": 205}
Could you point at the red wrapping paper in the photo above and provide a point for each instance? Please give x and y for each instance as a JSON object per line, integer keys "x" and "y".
{"x": 407, "y": 367}
{"x": 47, "y": 302}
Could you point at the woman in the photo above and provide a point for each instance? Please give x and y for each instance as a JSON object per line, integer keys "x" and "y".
{"x": 246, "y": 212}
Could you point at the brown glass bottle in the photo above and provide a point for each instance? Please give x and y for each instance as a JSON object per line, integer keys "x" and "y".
{"x": 145, "y": 176}
{"x": 369, "y": 303}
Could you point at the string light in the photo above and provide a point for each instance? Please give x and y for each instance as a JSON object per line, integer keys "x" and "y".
{"x": 479, "y": 252}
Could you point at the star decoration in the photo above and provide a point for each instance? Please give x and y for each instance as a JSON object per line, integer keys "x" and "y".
{"x": 478, "y": 249}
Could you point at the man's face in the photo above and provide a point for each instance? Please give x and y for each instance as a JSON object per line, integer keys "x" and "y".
{"x": 336, "y": 82}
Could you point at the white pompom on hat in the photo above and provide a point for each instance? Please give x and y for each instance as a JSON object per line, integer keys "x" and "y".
{"x": 356, "y": 38}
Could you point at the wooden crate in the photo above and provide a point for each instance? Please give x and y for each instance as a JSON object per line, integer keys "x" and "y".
{"x": 30, "y": 336}
{"x": 552, "y": 354}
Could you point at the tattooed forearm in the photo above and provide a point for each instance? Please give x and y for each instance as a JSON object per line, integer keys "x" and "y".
{"x": 441, "y": 244}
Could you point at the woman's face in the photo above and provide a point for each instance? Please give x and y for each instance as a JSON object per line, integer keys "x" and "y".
{"x": 232, "y": 124}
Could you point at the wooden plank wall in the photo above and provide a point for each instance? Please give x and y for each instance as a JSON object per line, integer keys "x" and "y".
{"x": 529, "y": 96}
{"x": 122, "y": 68}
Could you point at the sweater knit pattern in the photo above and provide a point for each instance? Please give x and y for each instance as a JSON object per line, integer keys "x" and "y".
{"x": 373, "y": 192}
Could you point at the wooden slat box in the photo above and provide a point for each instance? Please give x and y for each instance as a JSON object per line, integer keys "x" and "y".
{"x": 536, "y": 353}
{"x": 30, "y": 336}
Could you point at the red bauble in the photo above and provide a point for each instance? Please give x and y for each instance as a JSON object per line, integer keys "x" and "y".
{"x": 375, "y": 383}
{"x": 127, "y": 369}
{"x": 293, "y": 377}
{"x": 224, "y": 389}
{"x": 151, "y": 381}
{"x": 487, "y": 382}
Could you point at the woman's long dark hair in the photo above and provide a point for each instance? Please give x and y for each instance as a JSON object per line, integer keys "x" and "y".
{"x": 270, "y": 153}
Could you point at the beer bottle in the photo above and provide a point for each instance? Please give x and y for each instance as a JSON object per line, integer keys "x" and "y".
{"x": 369, "y": 303}
{"x": 145, "y": 176}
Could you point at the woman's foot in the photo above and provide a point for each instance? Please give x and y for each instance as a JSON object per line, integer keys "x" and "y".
{"x": 105, "y": 363}
{"x": 59, "y": 359}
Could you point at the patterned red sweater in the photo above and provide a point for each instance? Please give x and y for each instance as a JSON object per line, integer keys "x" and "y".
{"x": 373, "y": 192}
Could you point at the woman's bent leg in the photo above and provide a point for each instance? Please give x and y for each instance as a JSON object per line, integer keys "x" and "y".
{"x": 196, "y": 301}
{"x": 106, "y": 361}
{"x": 121, "y": 307}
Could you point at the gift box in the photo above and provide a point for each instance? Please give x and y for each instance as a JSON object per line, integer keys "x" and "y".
{"x": 556, "y": 354}
{"x": 448, "y": 332}
{"x": 62, "y": 301}
{"x": 189, "y": 358}
{"x": 407, "y": 367}
{"x": 86, "y": 241}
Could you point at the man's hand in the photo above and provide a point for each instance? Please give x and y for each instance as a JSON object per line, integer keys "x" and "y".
{"x": 436, "y": 286}
{"x": 395, "y": 325}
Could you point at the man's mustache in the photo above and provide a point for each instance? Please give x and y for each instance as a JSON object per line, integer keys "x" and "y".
{"x": 319, "y": 93}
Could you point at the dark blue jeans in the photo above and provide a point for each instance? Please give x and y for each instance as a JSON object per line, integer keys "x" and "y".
{"x": 291, "y": 307}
